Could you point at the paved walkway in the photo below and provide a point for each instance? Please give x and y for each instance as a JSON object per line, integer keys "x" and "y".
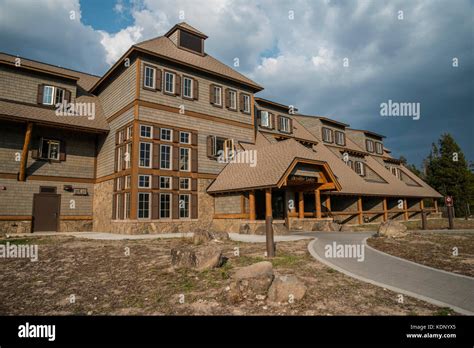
{"x": 405, "y": 277}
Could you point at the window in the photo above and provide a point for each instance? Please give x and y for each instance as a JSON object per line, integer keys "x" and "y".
{"x": 184, "y": 183}
{"x": 246, "y": 99}
{"x": 233, "y": 100}
{"x": 359, "y": 168}
{"x": 217, "y": 95}
{"x": 166, "y": 134}
{"x": 144, "y": 205}
{"x": 53, "y": 95}
{"x": 327, "y": 135}
{"x": 395, "y": 171}
{"x": 119, "y": 159}
{"x": 165, "y": 182}
{"x": 184, "y": 206}
{"x": 369, "y": 145}
{"x": 59, "y": 98}
{"x": 129, "y": 132}
{"x": 146, "y": 131}
{"x": 284, "y": 124}
{"x": 169, "y": 82}
{"x": 228, "y": 148}
{"x": 165, "y": 205}
{"x": 165, "y": 157}
{"x": 150, "y": 77}
{"x": 187, "y": 87}
{"x": 127, "y": 206}
{"x": 379, "y": 148}
{"x": 144, "y": 181}
{"x": 118, "y": 184}
{"x": 190, "y": 41}
{"x": 145, "y": 155}
{"x": 265, "y": 119}
{"x": 184, "y": 138}
{"x": 127, "y": 182}
{"x": 184, "y": 159}
{"x": 350, "y": 164}
{"x": 50, "y": 149}
{"x": 127, "y": 154}
{"x": 340, "y": 138}
{"x": 117, "y": 207}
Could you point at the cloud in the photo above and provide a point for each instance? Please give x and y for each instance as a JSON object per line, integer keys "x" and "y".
{"x": 117, "y": 44}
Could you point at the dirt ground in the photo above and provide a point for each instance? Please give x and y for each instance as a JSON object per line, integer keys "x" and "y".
{"x": 103, "y": 280}
{"x": 432, "y": 249}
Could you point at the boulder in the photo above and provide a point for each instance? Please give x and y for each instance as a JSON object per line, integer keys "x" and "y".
{"x": 280, "y": 229}
{"x": 286, "y": 289}
{"x": 261, "y": 229}
{"x": 201, "y": 236}
{"x": 244, "y": 229}
{"x": 251, "y": 281}
{"x": 326, "y": 226}
{"x": 219, "y": 235}
{"x": 202, "y": 258}
{"x": 391, "y": 228}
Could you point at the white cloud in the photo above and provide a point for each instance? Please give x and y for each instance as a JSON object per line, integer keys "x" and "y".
{"x": 117, "y": 44}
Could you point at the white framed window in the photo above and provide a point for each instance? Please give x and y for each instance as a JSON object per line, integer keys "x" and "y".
{"x": 118, "y": 184}
{"x": 165, "y": 182}
{"x": 169, "y": 82}
{"x": 127, "y": 155}
{"x": 50, "y": 149}
{"x": 285, "y": 124}
{"x": 119, "y": 159}
{"x": 187, "y": 87}
{"x": 350, "y": 164}
{"x": 48, "y": 95}
{"x": 144, "y": 181}
{"x": 165, "y": 156}
{"x": 359, "y": 168}
{"x": 184, "y": 137}
{"x": 217, "y": 95}
{"x": 369, "y": 145}
{"x": 144, "y": 203}
{"x": 327, "y": 135}
{"x": 379, "y": 148}
{"x": 129, "y": 132}
{"x": 340, "y": 138}
{"x": 246, "y": 99}
{"x": 146, "y": 131}
{"x": 184, "y": 205}
{"x": 233, "y": 99}
{"x": 127, "y": 182}
{"x": 150, "y": 79}
{"x": 228, "y": 148}
{"x": 166, "y": 134}
{"x": 145, "y": 155}
{"x": 265, "y": 119}
{"x": 59, "y": 95}
{"x": 126, "y": 205}
{"x": 184, "y": 158}
{"x": 184, "y": 183}
{"x": 395, "y": 171}
{"x": 165, "y": 205}
{"x": 117, "y": 207}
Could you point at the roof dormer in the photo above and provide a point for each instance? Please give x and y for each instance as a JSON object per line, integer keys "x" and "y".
{"x": 188, "y": 38}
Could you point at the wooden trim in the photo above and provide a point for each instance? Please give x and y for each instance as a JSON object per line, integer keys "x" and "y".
{"x": 138, "y": 77}
{"x": 422, "y": 204}
{"x": 24, "y": 152}
{"x": 242, "y": 204}
{"x": 268, "y": 202}
{"x": 385, "y": 212}
{"x": 318, "y": 203}
{"x": 405, "y": 208}
{"x": 43, "y": 71}
{"x": 122, "y": 111}
{"x": 76, "y": 217}
{"x": 252, "y": 215}
{"x": 360, "y": 210}
{"x": 300, "y": 204}
{"x": 231, "y": 216}
{"x": 15, "y": 217}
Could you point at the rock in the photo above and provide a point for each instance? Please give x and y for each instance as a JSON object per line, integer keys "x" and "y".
{"x": 202, "y": 258}
{"x": 257, "y": 270}
{"x": 347, "y": 228}
{"x": 280, "y": 229}
{"x": 250, "y": 281}
{"x": 391, "y": 228}
{"x": 219, "y": 235}
{"x": 285, "y": 288}
{"x": 201, "y": 236}
{"x": 261, "y": 229}
{"x": 244, "y": 229}
{"x": 326, "y": 226}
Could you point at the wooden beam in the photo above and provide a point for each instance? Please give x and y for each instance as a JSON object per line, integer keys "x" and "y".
{"x": 268, "y": 202}
{"x": 24, "y": 152}
{"x": 359, "y": 210}
{"x": 300, "y": 205}
{"x": 385, "y": 211}
{"x": 231, "y": 216}
{"x": 317, "y": 202}
{"x": 405, "y": 209}
{"x": 422, "y": 204}
{"x": 435, "y": 201}
{"x": 252, "y": 205}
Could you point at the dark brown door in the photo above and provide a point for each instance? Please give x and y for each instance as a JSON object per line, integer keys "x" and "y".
{"x": 46, "y": 208}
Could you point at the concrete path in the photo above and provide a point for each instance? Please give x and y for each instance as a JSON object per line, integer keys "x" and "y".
{"x": 439, "y": 287}
{"x": 254, "y": 238}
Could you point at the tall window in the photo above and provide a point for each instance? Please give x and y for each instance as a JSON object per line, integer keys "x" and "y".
{"x": 165, "y": 205}
{"x": 184, "y": 183}
{"x": 217, "y": 95}
{"x": 165, "y": 156}
{"x": 327, "y": 135}
{"x": 379, "y": 148}
{"x": 233, "y": 100}
{"x": 184, "y": 159}
{"x": 119, "y": 159}
{"x": 395, "y": 171}
{"x": 340, "y": 138}
{"x": 166, "y": 134}
{"x": 285, "y": 124}
{"x": 165, "y": 182}
{"x": 150, "y": 77}
{"x": 144, "y": 181}
{"x": 184, "y": 138}
{"x": 127, "y": 205}
{"x": 187, "y": 87}
{"x": 145, "y": 131}
{"x": 369, "y": 145}
{"x": 59, "y": 97}
{"x": 169, "y": 82}
{"x": 127, "y": 155}
{"x": 265, "y": 119}
{"x": 49, "y": 149}
{"x": 184, "y": 206}
{"x": 246, "y": 103}
{"x": 144, "y": 205}
{"x": 145, "y": 155}
{"x": 359, "y": 168}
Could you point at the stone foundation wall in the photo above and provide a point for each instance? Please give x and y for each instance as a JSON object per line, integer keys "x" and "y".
{"x": 11, "y": 227}
{"x": 75, "y": 226}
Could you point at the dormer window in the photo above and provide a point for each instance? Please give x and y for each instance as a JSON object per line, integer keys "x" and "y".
{"x": 379, "y": 148}
{"x": 190, "y": 42}
{"x": 264, "y": 119}
{"x": 340, "y": 138}
{"x": 369, "y": 144}
{"x": 359, "y": 168}
{"x": 53, "y": 95}
{"x": 284, "y": 124}
{"x": 150, "y": 77}
{"x": 395, "y": 171}
{"x": 169, "y": 82}
{"x": 327, "y": 135}
{"x": 246, "y": 102}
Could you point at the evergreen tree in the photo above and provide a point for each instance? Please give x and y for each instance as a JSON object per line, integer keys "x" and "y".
{"x": 411, "y": 167}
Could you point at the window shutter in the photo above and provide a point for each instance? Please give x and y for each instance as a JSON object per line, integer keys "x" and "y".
{"x": 156, "y": 132}
{"x": 175, "y": 210}
{"x": 194, "y": 139}
{"x": 175, "y": 136}
{"x": 39, "y": 96}
{"x": 62, "y": 151}
{"x": 177, "y": 84}
{"x": 227, "y": 98}
{"x": 114, "y": 207}
{"x": 194, "y": 160}
{"x": 175, "y": 158}
{"x": 195, "y": 89}
{"x": 241, "y": 102}
{"x": 67, "y": 95}
{"x": 194, "y": 185}
{"x": 155, "y": 205}
{"x": 259, "y": 117}
{"x": 155, "y": 182}
{"x": 275, "y": 121}
{"x": 158, "y": 80}
{"x": 156, "y": 156}
{"x": 194, "y": 206}
{"x": 210, "y": 146}
{"x": 212, "y": 95}
{"x": 290, "y": 121}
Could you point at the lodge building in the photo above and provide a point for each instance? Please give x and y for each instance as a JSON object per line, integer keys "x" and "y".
{"x": 149, "y": 158}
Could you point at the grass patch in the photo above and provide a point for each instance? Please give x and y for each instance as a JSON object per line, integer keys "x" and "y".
{"x": 16, "y": 241}
{"x": 287, "y": 260}
{"x": 445, "y": 311}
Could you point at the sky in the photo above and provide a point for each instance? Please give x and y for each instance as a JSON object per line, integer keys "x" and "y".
{"x": 336, "y": 58}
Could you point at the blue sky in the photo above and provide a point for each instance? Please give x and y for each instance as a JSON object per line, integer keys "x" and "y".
{"x": 299, "y": 61}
